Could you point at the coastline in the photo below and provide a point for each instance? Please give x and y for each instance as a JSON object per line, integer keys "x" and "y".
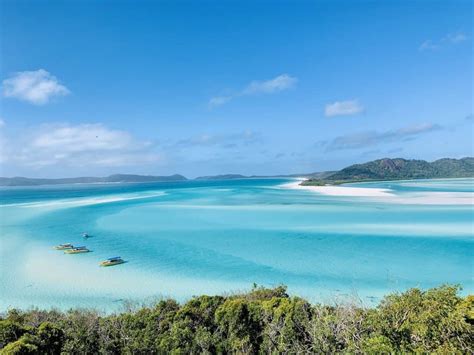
{"x": 386, "y": 195}
{"x": 333, "y": 190}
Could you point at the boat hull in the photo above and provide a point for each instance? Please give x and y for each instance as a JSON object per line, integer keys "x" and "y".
{"x": 77, "y": 251}
{"x": 59, "y": 247}
{"x": 109, "y": 263}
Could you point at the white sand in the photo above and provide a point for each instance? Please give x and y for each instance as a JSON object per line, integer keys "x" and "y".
{"x": 77, "y": 202}
{"x": 340, "y": 190}
{"x": 435, "y": 198}
{"x": 387, "y": 195}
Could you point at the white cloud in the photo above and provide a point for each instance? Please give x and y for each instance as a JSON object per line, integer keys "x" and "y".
{"x": 343, "y": 108}
{"x": 429, "y": 45}
{"x": 449, "y": 39}
{"x": 84, "y": 137}
{"x": 224, "y": 140}
{"x": 36, "y": 87}
{"x": 78, "y": 146}
{"x": 219, "y": 100}
{"x": 280, "y": 83}
{"x": 455, "y": 37}
{"x": 373, "y": 138}
{"x": 277, "y": 84}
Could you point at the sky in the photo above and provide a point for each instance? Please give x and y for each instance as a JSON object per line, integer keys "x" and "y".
{"x": 92, "y": 88}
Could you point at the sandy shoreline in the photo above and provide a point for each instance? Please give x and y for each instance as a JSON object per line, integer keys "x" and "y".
{"x": 340, "y": 190}
{"x": 387, "y": 195}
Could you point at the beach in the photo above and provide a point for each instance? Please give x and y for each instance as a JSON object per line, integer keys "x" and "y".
{"x": 331, "y": 190}
{"x": 387, "y": 195}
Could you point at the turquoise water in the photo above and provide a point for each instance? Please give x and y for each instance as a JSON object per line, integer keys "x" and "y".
{"x": 188, "y": 238}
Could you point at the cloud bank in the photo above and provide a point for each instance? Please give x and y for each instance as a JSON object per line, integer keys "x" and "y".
{"x": 36, "y": 87}
{"x": 81, "y": 145}
{"x": 372, "y": 138}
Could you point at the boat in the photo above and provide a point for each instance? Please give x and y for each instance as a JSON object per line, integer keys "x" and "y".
{"x": 85, "y": 235}
{"x": 112, "y": 261}
{"x": 77, "y": 250}
{"x": 64, "y": 246}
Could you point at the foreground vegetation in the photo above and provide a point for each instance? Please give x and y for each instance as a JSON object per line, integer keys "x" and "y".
{"x": 260, "y": 321}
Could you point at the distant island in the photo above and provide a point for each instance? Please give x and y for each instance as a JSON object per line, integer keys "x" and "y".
{"x": 117, "y": 178}
{"x": 398, "y": 169}
{"x": 377, "y": 170}
{"x": 129, "y": 178}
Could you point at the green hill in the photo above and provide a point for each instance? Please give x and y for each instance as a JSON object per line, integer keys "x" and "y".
{"x": 397, "y": 169}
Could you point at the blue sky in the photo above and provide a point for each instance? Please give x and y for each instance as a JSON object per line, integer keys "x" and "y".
{"x": 251, "y": 87}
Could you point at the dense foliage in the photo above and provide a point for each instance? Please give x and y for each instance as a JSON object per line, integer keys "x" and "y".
{"x": 260, "y": 321}
{"x": 396, "y": 169}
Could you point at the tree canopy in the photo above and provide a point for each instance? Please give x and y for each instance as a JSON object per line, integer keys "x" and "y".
{"x": 261, "y": 321}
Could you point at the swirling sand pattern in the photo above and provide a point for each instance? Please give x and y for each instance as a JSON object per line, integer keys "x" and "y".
{"x": 187, "y": 238}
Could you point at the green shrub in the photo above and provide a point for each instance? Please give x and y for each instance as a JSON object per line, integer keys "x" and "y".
{"x": 377, "y": 345}
{"x": 27, "y": 344}
{"x": 10, "y": 331}
{"x": 266, "y": 321}
{"x": 50, "y": 337}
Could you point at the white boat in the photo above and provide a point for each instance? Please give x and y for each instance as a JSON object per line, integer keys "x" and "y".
{"x": 112, "y": 261}
{"x": 64, "y": 246}
{"x": 77, "y": 250}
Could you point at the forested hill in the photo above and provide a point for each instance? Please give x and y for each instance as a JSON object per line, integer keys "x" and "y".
{"x": 382, "y": 169}
{"x": 396, "y": 169}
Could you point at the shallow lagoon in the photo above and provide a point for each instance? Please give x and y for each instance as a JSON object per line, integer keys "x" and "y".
{"x": 187, "y": 238}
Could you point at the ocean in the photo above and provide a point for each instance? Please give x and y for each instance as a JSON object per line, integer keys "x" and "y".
{"x": 181, "y": 239}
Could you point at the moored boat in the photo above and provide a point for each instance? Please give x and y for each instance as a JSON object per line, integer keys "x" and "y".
{"x": 77, "y": 250}
{"x": 112, "y": 261}
{"x": 64, "y": 246}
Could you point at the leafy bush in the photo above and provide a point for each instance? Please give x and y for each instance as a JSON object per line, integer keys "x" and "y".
{"x": 262, "y": 321}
